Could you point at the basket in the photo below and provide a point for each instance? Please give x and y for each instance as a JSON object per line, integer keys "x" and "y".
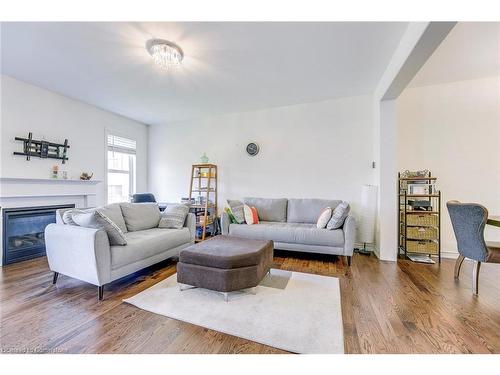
{"x": 423, "y": 247}
{"x": 424, "y": 220}
{"x": 422, "y": 233}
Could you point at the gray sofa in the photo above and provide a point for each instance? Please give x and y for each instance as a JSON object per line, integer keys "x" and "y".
{"x": 86, "y": 254}
{"x": 291, "y": 224}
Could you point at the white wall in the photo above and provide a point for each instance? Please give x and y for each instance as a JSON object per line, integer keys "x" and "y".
{"x": 53, "y": 117}
{"x": 316, "y": 150}
{"x": 458, "y": 125}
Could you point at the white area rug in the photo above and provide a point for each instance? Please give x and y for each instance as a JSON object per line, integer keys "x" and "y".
{"x": 293, "y": 311}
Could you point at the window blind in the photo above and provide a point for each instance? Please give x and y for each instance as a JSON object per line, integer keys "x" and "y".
{"x": 121, "y": 144}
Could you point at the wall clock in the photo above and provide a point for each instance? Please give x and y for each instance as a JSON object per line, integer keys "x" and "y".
{"x": 252, "y": 149}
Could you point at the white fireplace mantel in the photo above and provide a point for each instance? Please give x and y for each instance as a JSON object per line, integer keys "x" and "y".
{"x": 22, "y": 192}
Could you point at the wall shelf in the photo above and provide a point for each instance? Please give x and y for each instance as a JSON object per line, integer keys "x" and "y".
{"x": 48, "y": 181}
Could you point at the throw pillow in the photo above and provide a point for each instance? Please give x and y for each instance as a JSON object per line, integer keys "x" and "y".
{"x": 324, "y": 218}
{"x": 67, "y": 216}
{"x": 231, "y": 216}
{"x": 251, "y": 216}
{"x": 97, "y": 220}
{"x": 339, "y": 215}
{"x": 174, "y": 216}
{"x": 255, "y": 215}
{"x": 237, "y": 210}
{"x": 114, "y": 232}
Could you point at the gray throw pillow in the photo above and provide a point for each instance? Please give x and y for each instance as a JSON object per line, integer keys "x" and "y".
{"x": 339, "y": 215}
{"x": 114, "y": 212}
{"x": 173, "y": 216}
{"x": 98, "y": 220}
{"x": 237, "y": 210}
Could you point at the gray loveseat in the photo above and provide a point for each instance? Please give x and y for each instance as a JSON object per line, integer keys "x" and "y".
{"x": 86, "y": 254}
{"x": 291, "y": 224}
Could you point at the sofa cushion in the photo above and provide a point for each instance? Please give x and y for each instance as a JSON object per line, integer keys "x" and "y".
{"x": 269, "y": 209}
{"x": 147, "y": 243}
{"x": 114, "y": 213}
{"x": 306, "y": 234}
{"x": 140, "y": 216}
{"x": 308, "y": 210}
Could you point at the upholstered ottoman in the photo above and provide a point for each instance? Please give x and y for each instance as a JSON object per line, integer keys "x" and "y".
{"x": 225, "y": 263}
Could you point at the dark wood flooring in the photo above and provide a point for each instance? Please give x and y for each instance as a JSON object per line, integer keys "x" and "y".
{"x": 387, "y": 307}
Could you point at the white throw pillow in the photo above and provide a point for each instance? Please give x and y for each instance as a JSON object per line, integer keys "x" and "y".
{"x": 174, "y": 216}
{"x": 250, "y": 215}
{"x": 324, "y": 218}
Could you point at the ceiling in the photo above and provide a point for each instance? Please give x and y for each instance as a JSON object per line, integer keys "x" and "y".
{"x": 228, "y": 67}
{"x": 470, "y": 51}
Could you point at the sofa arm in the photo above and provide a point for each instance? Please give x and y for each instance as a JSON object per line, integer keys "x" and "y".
{"x": 224, "y": 223}
{"x": 82, "y": 253}
{"x": 349, "y": 235}
{"x": 190, "y": 223}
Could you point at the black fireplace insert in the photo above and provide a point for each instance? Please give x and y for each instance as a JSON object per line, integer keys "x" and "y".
{"x": 23, "y": 231}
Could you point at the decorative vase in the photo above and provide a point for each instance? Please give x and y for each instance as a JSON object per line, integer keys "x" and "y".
{"x": 204, "y": 158}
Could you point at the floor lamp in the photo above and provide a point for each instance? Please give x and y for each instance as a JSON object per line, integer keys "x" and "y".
{"x": 368, "y": 215}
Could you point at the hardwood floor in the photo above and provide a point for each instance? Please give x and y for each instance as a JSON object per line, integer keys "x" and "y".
{"x": 387, "y": 307}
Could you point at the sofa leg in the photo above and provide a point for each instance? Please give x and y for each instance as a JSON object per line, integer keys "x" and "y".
{"x": 54, "y": 279}
{"x": 100, "y": 292}
{"x": 349, "y": 260}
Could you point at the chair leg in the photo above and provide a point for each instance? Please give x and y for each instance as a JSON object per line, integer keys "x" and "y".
{"x": 475, "y": 277}
{"x": 458, "y": 265}
{"x": 100, "y": 292}
{"x": 54, "y": 279}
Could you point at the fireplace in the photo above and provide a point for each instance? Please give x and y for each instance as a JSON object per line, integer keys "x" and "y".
{"x": 23, "y": 231}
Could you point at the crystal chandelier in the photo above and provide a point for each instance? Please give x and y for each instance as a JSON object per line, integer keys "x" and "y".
{"x": 164, "y": 53}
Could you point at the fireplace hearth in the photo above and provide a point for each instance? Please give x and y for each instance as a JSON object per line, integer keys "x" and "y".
{"x": 23, "y": 231}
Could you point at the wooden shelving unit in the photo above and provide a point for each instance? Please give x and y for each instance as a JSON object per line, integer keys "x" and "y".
{"x": 419, "y": 231}
{"x": 203, "y": 188}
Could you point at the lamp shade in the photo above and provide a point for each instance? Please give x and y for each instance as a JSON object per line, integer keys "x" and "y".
{"x": 368, "y": 213}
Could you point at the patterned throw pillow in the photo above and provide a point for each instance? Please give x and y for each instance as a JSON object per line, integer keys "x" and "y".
{"x": 231, "y": 216}
{"x": 174, "y": 216}
{"x": 251, "y": 216}
{"x": 339, "y": 215}
{"x": 324, "y": 218}
{"x": 98, "y": 220}
{"x": 237, "y": 210}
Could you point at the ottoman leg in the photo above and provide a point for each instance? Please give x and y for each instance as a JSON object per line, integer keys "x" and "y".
{"x": 226, "y": 296}
{"x": 183, "y": 287}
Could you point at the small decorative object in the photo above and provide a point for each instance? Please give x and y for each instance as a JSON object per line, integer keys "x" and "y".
{"x": 409, "y": 174}
{"x": 252, "y": 149}
{"x": 43, "y": 149}
{"x": 55, "y": 171}
{"x": 85, "y": 176}
{"x": 64, "y": 175}
{"x": 204, "y": 158}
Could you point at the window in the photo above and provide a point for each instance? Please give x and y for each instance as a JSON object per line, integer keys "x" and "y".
{"x": 121, "y": 168}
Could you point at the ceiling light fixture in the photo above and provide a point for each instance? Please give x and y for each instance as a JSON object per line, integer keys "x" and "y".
{"x": 166, "y": 54}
